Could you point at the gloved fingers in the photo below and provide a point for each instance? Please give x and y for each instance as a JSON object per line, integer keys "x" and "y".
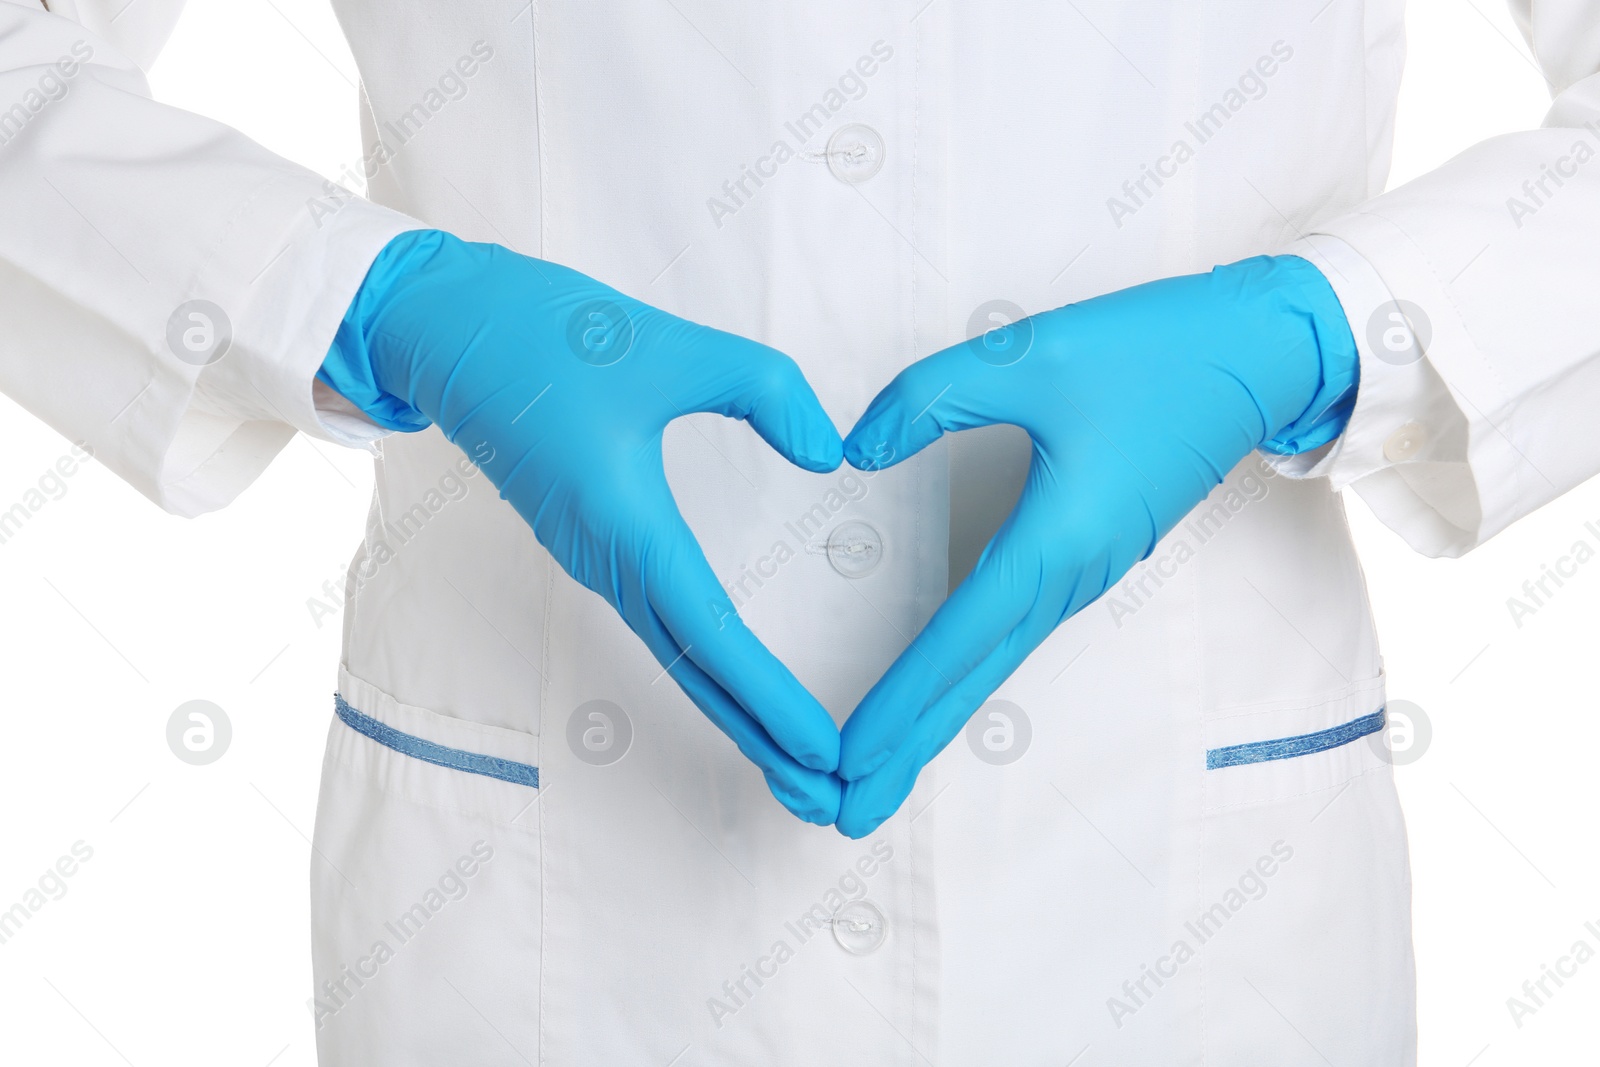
{"x": 871, "y": 800}
{"x": 1002, "y": 589}
{"x": 811, "y": 795}
{"x": 743, "y": 379}
{"x": 867, "y": 803}
{"x": 933, "y": 396}
{"x": 684, "y": 592}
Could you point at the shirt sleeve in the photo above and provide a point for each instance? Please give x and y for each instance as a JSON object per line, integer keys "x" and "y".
{"x": 1471, "y": 293}
{"x": 169, "y": 287}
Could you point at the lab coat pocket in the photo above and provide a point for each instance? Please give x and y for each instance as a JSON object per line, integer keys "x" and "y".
{"x": 1282, "y": 750}
{"x": 426, "y": 887}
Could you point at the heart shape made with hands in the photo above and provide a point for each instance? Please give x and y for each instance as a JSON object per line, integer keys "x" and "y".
{"x": 1137, "y": 403}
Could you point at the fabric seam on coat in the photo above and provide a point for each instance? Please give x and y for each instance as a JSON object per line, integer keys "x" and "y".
{"x": 551, "y": 577}
{"x": 917, "y": 547}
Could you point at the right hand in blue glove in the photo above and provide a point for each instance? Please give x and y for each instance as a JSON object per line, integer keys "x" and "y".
{"x": 571, "y": 384}
{"x": 1139, "y": 402}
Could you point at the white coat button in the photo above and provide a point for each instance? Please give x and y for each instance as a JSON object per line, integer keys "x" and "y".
{"x": 859, "y": 927}
{"x": 855, "y": 549}
{"x": 855, "y": 153}
{"x": 1404, "y": 443}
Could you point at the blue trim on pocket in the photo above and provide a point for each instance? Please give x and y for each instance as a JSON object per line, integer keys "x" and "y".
{"x": 1302, "y": 745}
{"x": 429, "y": 752}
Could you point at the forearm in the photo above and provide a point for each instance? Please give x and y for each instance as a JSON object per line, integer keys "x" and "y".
{"x": 100, "y": 300}
{"x": 1490, "y": 262}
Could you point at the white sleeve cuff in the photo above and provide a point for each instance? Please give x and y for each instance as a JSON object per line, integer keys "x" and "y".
{"x": 1405, "y": 448}
{"x": 283, "y": 315}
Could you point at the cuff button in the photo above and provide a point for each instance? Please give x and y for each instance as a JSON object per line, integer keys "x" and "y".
{"x": 1405, "y": 443}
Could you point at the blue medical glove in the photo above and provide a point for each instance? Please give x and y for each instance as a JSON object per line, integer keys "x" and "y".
{"x": 559, "y": 388}
{"x": 1138, "y": 403}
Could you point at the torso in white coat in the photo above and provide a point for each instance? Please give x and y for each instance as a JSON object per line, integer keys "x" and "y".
{"x": 853, "y": 183}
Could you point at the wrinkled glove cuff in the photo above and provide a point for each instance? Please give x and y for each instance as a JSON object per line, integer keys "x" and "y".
{"x": 1325, "y": 417}
{"x": 348, "y": 368}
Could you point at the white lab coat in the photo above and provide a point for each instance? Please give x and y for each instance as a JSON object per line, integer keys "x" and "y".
{"x": 849, "y": 182}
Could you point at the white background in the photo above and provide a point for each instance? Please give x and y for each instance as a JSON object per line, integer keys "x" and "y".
{"x": 184, "y": 939}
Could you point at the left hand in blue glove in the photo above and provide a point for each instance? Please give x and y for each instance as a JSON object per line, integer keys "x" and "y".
{"x": 471, "y": 337}
{"x": 1138, "y": 403}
